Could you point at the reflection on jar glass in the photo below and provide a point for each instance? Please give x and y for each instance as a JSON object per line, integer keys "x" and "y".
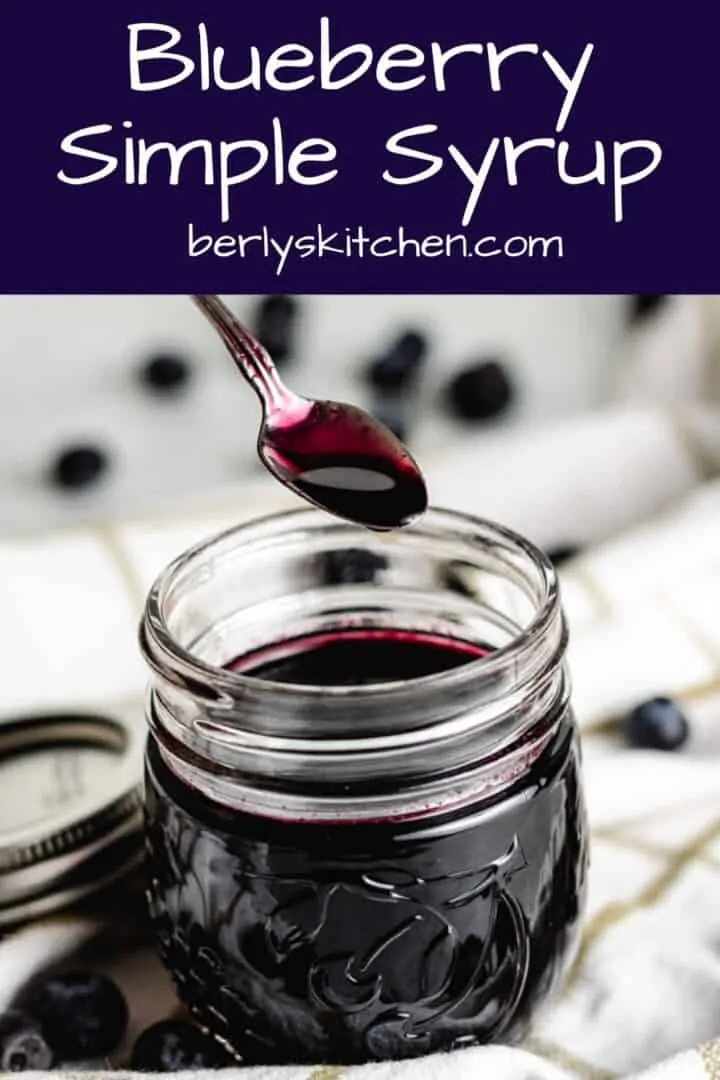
{"x": 365, "y": 825}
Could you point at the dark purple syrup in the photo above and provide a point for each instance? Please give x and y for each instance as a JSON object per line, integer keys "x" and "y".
{"x": 341, "y": 459}
{"x": 343, "y": 943}
{"x": 357, "y": 658}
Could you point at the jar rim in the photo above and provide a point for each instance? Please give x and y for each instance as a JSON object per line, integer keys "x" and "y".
{"x": 218, "y": 681}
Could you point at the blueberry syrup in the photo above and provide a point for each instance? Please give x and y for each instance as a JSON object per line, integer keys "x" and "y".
{"x": 356, "y": 941}
{"x": 332, "y": 454}
{"x": 357, "y": 657}
{"x": 341, "y": 459}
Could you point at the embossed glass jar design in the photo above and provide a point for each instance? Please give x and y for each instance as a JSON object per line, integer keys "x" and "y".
{"x": 365, "y": 827}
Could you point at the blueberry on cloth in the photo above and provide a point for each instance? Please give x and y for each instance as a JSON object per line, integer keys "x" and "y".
{"x": 78, "y": 467}
{"x": 400, "y": 364}
{"x": 175, "y": 1045}
{"x": 481, "y": 391}
{"x": 644, "y": 306}
{"x": 166, "y": 373}
{"x": 83, "y": 1015}
{"x": 658, "y": 724}
{"x": 562, "y": 554}
{"x": 274, "y": 325}
{"x": 22, "y": 1044}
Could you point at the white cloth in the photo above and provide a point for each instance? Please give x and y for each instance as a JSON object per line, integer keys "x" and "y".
{"x": 644, "y": 613}
{"x": 583, "y": 479}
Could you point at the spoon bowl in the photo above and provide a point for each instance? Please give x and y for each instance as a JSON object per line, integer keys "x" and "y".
{"x": 342, "y": 460}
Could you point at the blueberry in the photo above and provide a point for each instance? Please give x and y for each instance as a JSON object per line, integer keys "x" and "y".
{"x": 83, "y": 1015}
{"x": 351, "y": 566}
{"x": 173, "y": 1046}
{"x": 562, "y": 554}
{"x": 274, "y": 325}
{"x": 481, "y": 391}
{"x": 400, "y": 364}
{"x": 22, "y": 1044}
{"x": 78, "y": 467}
{"x": 641, "y": 307}
{"x": 166, "y": 373}
{"x": 658, "y": 724}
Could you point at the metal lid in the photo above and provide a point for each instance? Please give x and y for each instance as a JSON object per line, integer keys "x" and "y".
{"x": 70, "y": 807}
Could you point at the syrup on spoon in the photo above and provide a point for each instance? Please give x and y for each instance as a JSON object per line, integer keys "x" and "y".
{"x": 334, "y": 455}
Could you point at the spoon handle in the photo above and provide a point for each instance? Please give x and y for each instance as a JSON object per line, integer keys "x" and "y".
{"x": 252, "y": 360}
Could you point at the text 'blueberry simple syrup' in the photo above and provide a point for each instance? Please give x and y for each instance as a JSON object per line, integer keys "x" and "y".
{"x": 345, "y": 942}
{"x": 332, "y": 454}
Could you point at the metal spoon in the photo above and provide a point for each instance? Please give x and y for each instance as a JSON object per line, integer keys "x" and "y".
{"x": 334, "y": 455}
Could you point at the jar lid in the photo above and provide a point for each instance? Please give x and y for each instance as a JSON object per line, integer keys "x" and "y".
{"x": 70, "y": 807}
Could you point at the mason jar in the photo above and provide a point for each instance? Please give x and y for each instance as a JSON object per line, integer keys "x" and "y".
{"x": 366, "y": 836}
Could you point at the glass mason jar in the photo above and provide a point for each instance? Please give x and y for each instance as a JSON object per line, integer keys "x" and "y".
{"x": 365, "y": 826}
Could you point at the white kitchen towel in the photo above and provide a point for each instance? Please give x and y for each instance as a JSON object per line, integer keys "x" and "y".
{"x": 582, "y": 479}
{"x": 644, "y": 612}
